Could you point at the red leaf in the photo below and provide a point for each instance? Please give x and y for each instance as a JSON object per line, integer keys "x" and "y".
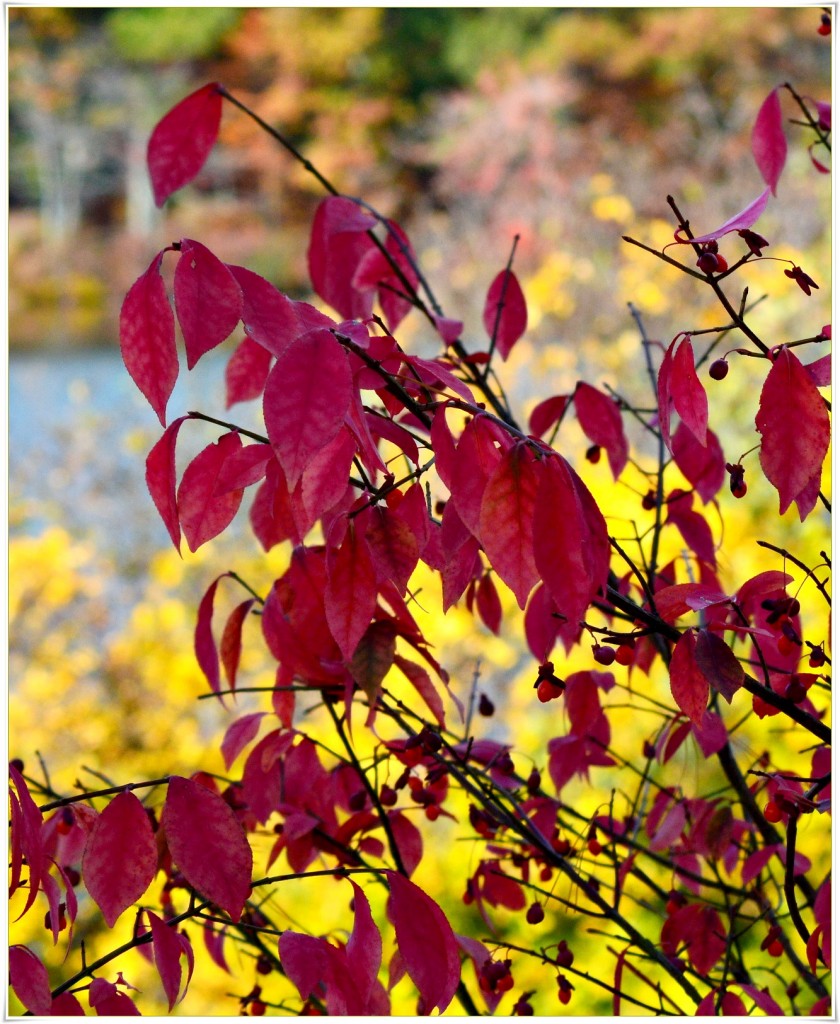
{"x": 718, "y": 664}
{"x": 231, "y": 644}
{"x": 182, "y": 140}
{"x": 700, "y": 929}
{"x": 323, "y": 484}
{"x": 393, "y": 547}
{"x": 570, "y": 540}
{"x": 488, "y": 604}
{"x": 600, "y": 420}
{"x": 29, "y": 979}
{"x": 376, "y": 272}
{"x": 702, "y": 465}
{"x": 480, "y": 450}
{"x": 364, "y": 948}
{"x": 27, "y": 838}
{"x": 408, "y": 838}
{"x": 506, "y": 522}
{"x": 687, "y": 392}
{"x": 795, "y": 431}
{"x": 350, "y": 594}
{"x": 66, "y": 1005}
{"x": 271, "y": 514}
{"x": 769, "y": 145}
{"x": 422, "y": 682}
{"x": 120, "y": 858}
{"x": 108, "y": 1001}
{"x": 426, "y": 942}
{"x": 204, "y": 644}
{"x": 820, "y": 371}
{"x": 338, "y": 244}
{"x": 238, "y": 735}
{"x": 306, "y": 961}
{"x": 203, "y": 513}
{"x": 207, "y": 844}
{"x": 243, "y": 467}
{"x": 167, "y": 950}
{"x": 147, "y": 338}
{"x": 689, "y": 686}
{"x": 246, "y": 372}
{"x": 745, "y": 219}
{"x": 306, "y": 398}
{"x": 762, "y": 999}
{"x": 373, "y": 658}
{"x": 271, "y": 319}
{"x": 160, "y": 480}
{"x": 208, "y": 300}
{"x": 547, "y": 414}
{"x": 505, "y": 313}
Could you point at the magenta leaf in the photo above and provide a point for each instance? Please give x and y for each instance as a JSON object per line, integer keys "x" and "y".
{"x": 689, "y": 686}
{"x": 364, "y": 948}
{"x": 66, "y": 1005}
{"x": 769, "y": 145}
{"x": 702, "y": 465}
{"x": 238, "y": 735}
{"x": 207, "y": 844}
{"x": 246, "y": 372}
{"x": 426, "y": 942}
{"x": 182, "y": 140}
{"x": 29, "y": 979}
{"x": 167, "y": 950}
{"x": 505, "y": 314}
{"x": 108, "y": 1001}
{"x": 230, "y": 647}
{"x": 160, "y": 480}
{"x": 202, "y": 512}
{"x": 820, "y": 371}
{"x": 699, "y": 928}
{"x": 795, "y": 432}
{"x": 271, "y": 319}
{"x": 714, "y": 657}
{"x": 27, "y": 840}
{"x": 307, "y": 396}
{"x": 337, "y": 246}
{"x": 506, "y": 522}
{"x": 600, "y": 420}
{"x": 120, "y": 858}
{"x": 350, "y": 594}
{"x": 547, "y": 414}
{"x": 147, "y": 338}
{"x": 208, "y": 299}
{"x": 688, "y": 393}
{"x": 206, "y": 653}
{"x": 740, "y": 222}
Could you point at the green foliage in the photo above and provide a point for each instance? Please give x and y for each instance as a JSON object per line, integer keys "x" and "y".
{"x": 149, "y": 34}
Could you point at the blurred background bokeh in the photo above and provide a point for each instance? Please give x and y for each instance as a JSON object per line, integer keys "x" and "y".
{"x": 567, "y": 127}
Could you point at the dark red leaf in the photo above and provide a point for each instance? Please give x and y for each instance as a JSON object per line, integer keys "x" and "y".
{"x": 203, "y": 513}
{"x": 795, "y": 431}
{"x": 160, "y": 480}
{"x": 702, "y": 465}
{"x": 271, "y": 319}
{"x": 350, "y": 594}
{"x": 167, "y": 950}
{"x": 393, "y": 547}
{"x": 364, "y": 948}
{"x": 373, "y": 657}
{"x": 120, "y": 859}
{"x": 29, "y": 979}
{"x": 238, "y": 735}
{"x": 66, "y": 1005}
{"x": 769, "y": 145}
{"x": 108, "y": 1001}
{"x": 27, "y": 837}
{"x": 600, "y": 420}
{"x": 547, "y": 414}
{"x": 422, "y": 682}
{"x": 426, "y": 942}
{"x": 689, "y": 686}
{"x": 688, "y": 393}
{"x": 246, "y": 372}
{"x": 147, "y": 338}
{"x": 208, "y": 300}
{"x": 718, "y": 664}
{"x": 338, "y": 244}
{"x": 206, "y": 653}
{"x": 488, "y": 604}
{"x": 480, "y": 450}
{"x": 181, "y": 141}
{"x": 506, "y": 522}
{"x": 505, "y": 312}
{"x": 307, "y": 396}
{"x": 207, "y": 844}
{"x": 230, "y": 647}
{"x": 408, "y": 838}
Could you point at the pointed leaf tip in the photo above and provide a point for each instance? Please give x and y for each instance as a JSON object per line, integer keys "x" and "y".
{"x": 769, "y": 145}
{"x": 181, "y": 141}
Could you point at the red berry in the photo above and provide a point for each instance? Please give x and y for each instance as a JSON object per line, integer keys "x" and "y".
{"x": 825, "y": 25}
{"x": 432, "y": 812}
{"x": 649, "y": 501}
{"x": 387, "y": 796}
{"x": 594, "y": 847}
{"x": 721, "y": 264}
{"x": 738, "y": 488}
{"x": 775, "y": 948}
{"x": 533, "y": 781}
{"x": 817, "y": 658}
{"x": 719, "y": 369}
{"x": 547, "y": 691}
{"x": 707, "y": 262}
{"x": 593, "y": 454}
{"x": 535, "y": 914}
{"x": 772, "y": 812}
{"x": 624, "y": 654}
